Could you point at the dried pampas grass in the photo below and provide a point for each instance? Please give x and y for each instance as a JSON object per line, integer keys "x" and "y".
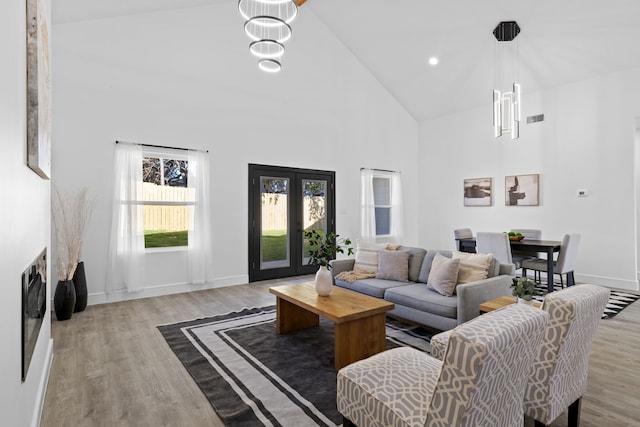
{"x": 71, "y": 211}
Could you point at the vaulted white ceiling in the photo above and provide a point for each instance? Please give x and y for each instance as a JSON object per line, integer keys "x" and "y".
{"x": 561, "y": 41}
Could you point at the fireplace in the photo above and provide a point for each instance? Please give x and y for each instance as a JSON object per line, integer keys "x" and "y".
{"x": 34, "y": 307}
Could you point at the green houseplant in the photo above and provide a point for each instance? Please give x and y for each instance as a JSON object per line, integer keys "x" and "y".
{"x": 321, "y": 249}
{"x": 524, "y": 289}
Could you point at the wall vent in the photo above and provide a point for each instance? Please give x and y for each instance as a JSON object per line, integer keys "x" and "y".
{"x": 533, "y": 119}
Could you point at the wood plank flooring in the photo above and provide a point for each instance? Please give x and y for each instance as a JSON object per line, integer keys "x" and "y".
{"x": 112, "y": 367}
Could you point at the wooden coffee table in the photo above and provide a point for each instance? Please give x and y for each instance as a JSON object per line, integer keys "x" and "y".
{"x": 359, "y": 319}
{"x": 500, "y": 302}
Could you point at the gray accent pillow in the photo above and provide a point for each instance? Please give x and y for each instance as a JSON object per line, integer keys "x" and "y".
{"x": 393, "y": 265}
{"x": 443, "y": 276}
{"x": 416, "y": 256}
{"x": 423, "y": 277}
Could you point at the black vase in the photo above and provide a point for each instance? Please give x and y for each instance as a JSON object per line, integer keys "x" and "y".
{"x": 64, "y": 299}
{"x": 80, "y": 283}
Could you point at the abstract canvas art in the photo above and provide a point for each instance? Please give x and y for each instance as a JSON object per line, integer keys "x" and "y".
{"x": 38, "y": 90}
{"x": 477, "y": 192}
{"x": 522, "y": 190}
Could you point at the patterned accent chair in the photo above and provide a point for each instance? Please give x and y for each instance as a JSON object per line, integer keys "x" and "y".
{"x": 481, "y": 381}
{"x": 559, "y": 375}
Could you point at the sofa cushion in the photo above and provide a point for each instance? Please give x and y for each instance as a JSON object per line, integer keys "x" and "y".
{"x": 443, "y": 276}
{"x": 367, "y": 257}
{"x": 393, "y": 265}
{"x": 372, "y": 287}
{"x": 418, "y": 297}
{"x": 416, "y": 257}
{"x": 473, "y": 267}
{"x": 494, "y": 268}
{"x": 425, "y": 269}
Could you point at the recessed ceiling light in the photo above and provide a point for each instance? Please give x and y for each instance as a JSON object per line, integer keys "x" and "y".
{"x": 433, "y": 61}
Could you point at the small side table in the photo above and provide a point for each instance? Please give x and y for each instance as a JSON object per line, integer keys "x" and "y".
{"x": 500, "y": 302}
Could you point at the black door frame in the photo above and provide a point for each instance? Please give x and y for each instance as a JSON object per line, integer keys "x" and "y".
{"x": 295, "y": 220}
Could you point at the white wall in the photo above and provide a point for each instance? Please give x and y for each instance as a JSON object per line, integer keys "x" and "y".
{"x": 185, "y": 78}
{"x": 24, "y": 232}
{"x": 586, "y": 141}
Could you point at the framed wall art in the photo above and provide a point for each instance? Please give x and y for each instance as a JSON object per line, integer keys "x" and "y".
{"x": 522, "y": 190}
{"x": 38, "y": 90}
{"x": 478, "y": 192}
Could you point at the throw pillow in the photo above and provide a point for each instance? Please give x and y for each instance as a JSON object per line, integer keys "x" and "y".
{"x": 473, "y": 267}
{"x": 443, "y": 275}
{"x": 393, "y": 265}
{"x": 367, "y": 257}
{"x": 425, "y": 268}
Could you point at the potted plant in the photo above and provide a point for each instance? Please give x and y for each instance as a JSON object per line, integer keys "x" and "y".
{"x": 322, "y": 249}
{"x": 524, "y": 289}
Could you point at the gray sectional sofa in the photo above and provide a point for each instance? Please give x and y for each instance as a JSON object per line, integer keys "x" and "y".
{"x": 416, "y": 303}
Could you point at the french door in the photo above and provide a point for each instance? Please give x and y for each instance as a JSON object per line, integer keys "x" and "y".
{"x": 283, "y": 202}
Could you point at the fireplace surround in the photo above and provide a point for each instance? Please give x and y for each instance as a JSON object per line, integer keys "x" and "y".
{"x": 34, "y": 307}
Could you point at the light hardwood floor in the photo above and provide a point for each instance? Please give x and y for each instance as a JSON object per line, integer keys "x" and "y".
{"x": 112, "y": 367}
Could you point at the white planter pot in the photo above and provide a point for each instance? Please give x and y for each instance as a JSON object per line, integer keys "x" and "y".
{"x": 524, "y": 301}
{"x": 324, "y": 281}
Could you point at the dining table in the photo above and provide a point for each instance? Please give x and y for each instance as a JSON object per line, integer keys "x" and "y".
{"x": 525, "y": 245}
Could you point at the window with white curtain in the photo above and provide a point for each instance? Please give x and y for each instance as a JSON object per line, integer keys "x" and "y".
{"x": 168, "y": 201}
{"x": 381, "y": 206}
{"x": 161, "y": 199}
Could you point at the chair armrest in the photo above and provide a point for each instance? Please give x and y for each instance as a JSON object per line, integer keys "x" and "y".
{"x": 508, "y": 269}
{"x": 471, "y": 295}
{"x": 439, "y": 344}
{"x": 340, "y": 265}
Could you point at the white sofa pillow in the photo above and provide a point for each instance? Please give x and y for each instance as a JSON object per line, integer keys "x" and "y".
{"x": 473, "y": 267}
{"x": 367, "y": 257}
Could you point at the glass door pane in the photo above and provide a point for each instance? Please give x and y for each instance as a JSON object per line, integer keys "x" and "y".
{"x": 275, "y": 245}
{"x": 314, "y": 210}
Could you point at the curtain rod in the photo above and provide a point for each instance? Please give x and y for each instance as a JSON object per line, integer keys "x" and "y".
{"x": 161, "y": 146}
{"x": 380, "y": 170}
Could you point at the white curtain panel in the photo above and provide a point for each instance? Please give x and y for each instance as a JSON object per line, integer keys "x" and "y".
{"x": 199, "y": 251}
{"x": 126, "y": 262}
{"x": 397, "y": 215}
{"x": 367, "y": 207}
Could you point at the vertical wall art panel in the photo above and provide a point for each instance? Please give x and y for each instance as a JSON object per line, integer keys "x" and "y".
{"x": 38, "y": 90}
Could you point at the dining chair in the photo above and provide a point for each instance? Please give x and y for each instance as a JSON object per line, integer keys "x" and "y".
{"x": 565, "y": 263}
{"x": 558, "y": 377}
{"x": 495, "y": 243}
{"x": 480, "y": 382}
{"x": 519, "y": 257}
{"x": 461, "y": 233}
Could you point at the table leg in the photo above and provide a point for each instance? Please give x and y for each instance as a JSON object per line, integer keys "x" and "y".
{"x": 359, "y": 339}
{"x": 550, "y": 287}
{"x": 290, "y": 317}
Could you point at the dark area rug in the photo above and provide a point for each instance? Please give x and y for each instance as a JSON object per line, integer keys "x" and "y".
{"x": 254, "y": 377}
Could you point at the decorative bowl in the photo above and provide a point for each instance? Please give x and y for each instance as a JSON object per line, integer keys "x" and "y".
{"x": 516, "y": 238}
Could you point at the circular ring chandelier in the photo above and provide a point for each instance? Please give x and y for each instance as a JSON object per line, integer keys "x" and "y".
{"x": 267, "y": 24}
{"x": 266, "y": 49}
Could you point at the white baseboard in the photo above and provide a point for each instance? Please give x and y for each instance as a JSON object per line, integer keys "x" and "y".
{"x": 610, "y": 282}
{"x": 167, "y": 289}
{"x": 42, "y": 387}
